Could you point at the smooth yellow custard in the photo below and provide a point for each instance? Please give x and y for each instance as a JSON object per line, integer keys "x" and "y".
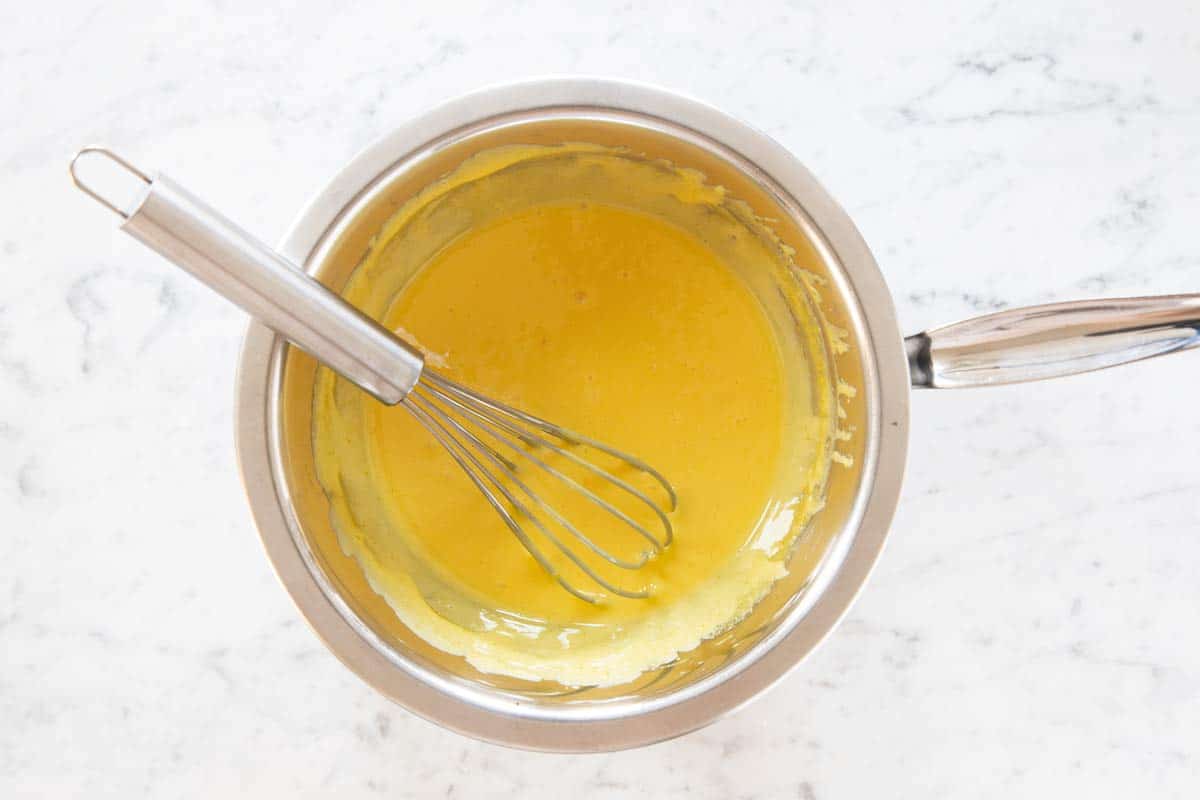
{"x": 627, "y": 300}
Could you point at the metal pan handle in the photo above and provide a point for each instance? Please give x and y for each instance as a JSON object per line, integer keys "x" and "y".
{"x": 186, "y": 231}
{"x": 1050, "y": 341}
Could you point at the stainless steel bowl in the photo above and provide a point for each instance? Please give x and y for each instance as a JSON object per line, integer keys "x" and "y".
{"x": 836, "y": 554}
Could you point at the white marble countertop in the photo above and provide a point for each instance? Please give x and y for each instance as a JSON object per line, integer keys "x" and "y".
{"x": 1031, "y": 629}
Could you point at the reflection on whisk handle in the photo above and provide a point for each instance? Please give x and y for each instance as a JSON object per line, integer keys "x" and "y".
{"x": 186, "y": 231}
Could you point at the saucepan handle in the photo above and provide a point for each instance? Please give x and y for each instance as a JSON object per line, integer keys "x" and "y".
{"x": 1049, "y": 341}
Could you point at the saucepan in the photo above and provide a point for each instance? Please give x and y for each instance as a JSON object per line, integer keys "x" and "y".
{"x": 842, "y": 542}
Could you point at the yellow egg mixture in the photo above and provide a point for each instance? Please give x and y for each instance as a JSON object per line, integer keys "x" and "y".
{"x": 618, "y": 297}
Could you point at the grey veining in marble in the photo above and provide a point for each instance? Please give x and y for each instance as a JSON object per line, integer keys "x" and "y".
{"x": 1031, "y": 629}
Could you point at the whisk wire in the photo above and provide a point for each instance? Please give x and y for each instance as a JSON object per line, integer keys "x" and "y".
{"x": 435, "y": 420}
{"x": 570, "y": 483}
{"x": 558, "y": 431}
{"x": 510, "y": 470}
{"x": 452, "y": 448}
{"x": 470, "y": 405}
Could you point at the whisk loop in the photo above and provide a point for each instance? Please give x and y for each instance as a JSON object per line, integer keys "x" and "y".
{"x": 458, "y": 419}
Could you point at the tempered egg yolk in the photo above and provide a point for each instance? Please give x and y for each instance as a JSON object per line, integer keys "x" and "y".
{"x": 609, "y": 322}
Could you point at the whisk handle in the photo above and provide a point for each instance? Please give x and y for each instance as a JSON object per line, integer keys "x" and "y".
{"x": 189, "y": 233}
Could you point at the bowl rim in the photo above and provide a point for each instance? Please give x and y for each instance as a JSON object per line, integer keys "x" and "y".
{"x": 885, "y": 391}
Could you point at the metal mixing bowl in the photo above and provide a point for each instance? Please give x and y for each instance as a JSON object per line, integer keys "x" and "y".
{"x": 831, "y": 561}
